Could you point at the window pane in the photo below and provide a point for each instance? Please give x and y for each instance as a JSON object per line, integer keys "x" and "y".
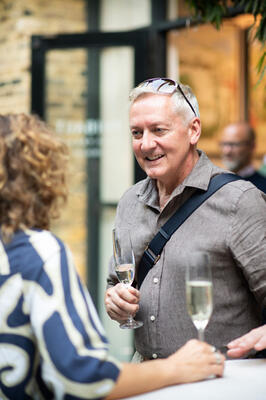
{"x": 66, "y": 108}
{"x": 87, "y": 104}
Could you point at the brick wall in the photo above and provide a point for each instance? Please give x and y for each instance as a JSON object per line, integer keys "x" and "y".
{"x": 65, "y": 70}
{"x": 19, "y": 20}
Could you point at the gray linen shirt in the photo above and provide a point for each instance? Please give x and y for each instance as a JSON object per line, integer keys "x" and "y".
{"x": 231, "y": 227}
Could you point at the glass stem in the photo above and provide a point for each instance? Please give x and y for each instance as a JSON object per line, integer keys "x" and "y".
{"x": 201, "y": 334}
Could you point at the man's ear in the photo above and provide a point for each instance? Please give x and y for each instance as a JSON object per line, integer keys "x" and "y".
{"x": 194, "y": 130}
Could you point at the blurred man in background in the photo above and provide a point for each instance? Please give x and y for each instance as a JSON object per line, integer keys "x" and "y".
{"x": 237, "y": 147}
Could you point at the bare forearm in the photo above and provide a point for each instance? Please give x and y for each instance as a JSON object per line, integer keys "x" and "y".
{"x": 140, "y": 378}
{"x": 193, "y": 362}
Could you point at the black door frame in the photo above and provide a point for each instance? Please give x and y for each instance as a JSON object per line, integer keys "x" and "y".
{"x": 149, "y": 60}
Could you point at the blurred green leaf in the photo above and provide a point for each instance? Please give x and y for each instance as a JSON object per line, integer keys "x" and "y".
{"x": 261, "y": 62}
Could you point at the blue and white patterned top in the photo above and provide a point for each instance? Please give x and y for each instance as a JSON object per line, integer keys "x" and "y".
{"x": 52, "y": 344}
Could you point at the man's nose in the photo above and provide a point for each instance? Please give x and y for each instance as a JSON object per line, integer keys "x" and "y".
{"x": 148, "y": 141}
{"x": 227, "y": 148}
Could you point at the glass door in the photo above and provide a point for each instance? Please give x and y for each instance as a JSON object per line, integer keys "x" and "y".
{"x": 80, "y": 86}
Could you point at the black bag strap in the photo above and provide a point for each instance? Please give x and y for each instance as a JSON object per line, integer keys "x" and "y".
{"x": 153, "y": 251}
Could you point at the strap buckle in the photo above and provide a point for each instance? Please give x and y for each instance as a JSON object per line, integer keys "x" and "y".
{"x": 152, "y": 257}
{"x": 157, "y": 258}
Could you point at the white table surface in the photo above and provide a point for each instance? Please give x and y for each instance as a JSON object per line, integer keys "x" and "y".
{"x": 242, "y": 380}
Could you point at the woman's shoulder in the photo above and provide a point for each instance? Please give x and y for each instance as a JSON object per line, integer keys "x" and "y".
{"x": 43, "y": 240}
{"x": 32, "y": 247}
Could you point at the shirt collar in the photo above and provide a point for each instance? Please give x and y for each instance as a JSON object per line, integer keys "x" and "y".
{"x": 201, "y": 174}
{"x": 198, "y": 178}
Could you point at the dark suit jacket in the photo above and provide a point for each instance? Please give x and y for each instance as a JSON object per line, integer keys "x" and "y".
{"x": 258, "y": 180}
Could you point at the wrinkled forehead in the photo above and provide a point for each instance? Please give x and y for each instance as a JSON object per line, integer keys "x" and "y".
{"x": 154, "y": 110}
{"x": 147, "y": 103}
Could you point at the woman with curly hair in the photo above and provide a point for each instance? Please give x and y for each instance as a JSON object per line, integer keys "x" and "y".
{"x": 32, "y": 174}
{"x": 52, "y": 344}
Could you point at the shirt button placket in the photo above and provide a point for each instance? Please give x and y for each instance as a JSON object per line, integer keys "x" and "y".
{"x": 153, "y": 318}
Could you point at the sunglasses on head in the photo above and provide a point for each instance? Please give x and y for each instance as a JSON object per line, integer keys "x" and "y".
{"x": 166, "y": 86}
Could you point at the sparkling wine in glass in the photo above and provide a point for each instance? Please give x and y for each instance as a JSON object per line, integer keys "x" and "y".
{"x": 199, "y": 291}
{"x": 124, "y": 267}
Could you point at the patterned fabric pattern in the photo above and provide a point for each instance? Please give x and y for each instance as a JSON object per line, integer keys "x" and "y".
{"x": 52, "y": 344}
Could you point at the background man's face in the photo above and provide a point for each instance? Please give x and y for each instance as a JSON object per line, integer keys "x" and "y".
{"x": 236, "y": 148}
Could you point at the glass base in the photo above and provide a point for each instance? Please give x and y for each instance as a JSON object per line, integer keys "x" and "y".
{"x": 131, "y": 324}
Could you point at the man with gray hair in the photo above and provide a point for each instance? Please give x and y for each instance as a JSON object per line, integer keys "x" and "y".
{"x": 237, "y": 148}
{"x": 229, "y": 226}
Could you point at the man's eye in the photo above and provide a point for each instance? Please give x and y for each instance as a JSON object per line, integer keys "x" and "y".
{"x": 136, "y": 134}
{"x": 158, "y": 130}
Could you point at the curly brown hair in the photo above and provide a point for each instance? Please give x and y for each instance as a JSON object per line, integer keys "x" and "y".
{"x": 32, "y": 174}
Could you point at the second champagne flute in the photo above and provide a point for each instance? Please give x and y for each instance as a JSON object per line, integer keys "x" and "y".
{"x": 124, "y": 267}
{"x": 199, "y": 291}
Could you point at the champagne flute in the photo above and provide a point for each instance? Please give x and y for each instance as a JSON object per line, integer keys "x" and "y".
{"x": 199, "y": 291}
{"x": 124, "y": 267}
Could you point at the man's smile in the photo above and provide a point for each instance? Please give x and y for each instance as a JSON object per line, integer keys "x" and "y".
{"x": 154, "y": 158}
